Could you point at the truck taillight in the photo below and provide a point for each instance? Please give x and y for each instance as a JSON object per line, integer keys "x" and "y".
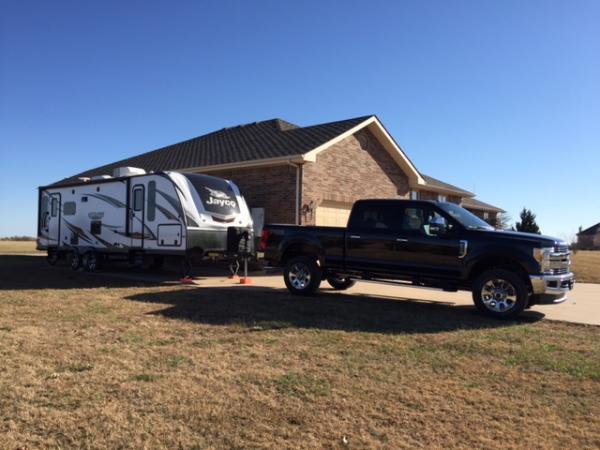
{"x": 262, "y": 244}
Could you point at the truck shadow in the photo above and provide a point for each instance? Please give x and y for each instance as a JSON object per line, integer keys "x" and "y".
{"x": 261, "y": 308}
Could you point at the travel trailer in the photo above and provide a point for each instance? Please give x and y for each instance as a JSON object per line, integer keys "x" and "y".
{"x": 137, "y": 215}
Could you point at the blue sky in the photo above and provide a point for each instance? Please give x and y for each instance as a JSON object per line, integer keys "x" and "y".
{"x": 502, "y": 98}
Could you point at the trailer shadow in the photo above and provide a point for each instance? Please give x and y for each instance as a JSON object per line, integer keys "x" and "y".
{"x": 260, "y": 308}
{"x": 19, "y": 272}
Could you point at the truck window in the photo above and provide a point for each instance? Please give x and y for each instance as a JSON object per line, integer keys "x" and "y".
{"x": 374, "y": 216}
{"x": 416, "y": 219}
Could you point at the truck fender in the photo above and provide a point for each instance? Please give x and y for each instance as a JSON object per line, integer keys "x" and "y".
{"x": 301, "y": 244}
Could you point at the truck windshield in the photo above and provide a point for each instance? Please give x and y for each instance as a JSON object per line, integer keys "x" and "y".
{"x": 216, "y": 194}
{"x": 467, "y": 219}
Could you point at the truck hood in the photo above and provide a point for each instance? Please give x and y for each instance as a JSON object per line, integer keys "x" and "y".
{"x": 532, "y": 238}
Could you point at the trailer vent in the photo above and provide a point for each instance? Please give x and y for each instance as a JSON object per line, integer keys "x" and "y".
{"x": 127, "y": 172}
{"x": 101, "y": 177}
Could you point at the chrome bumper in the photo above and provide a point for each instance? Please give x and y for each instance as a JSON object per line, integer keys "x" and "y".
{"x": 552, "y": 284}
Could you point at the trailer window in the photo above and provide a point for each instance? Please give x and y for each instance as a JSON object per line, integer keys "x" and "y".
{"x": 138, "y": 199}
{"x": 54, "y": 207}
{"x": 69, "y": 208}
{"x": 151, "y": 201}
{"x": 96, "y": 227}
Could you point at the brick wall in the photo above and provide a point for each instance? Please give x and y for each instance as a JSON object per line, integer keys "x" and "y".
{"x": 354, "y": 168}
{"x": 272, "y": 188}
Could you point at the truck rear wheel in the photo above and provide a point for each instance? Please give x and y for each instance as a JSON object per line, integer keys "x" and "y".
{"x": 302, "y": 276}
{"x": 500, "y": 293}
{"x": 339, "y": 283}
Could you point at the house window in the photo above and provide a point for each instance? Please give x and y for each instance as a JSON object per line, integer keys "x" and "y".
{"x": 414, "y": 195}
{"x": 70, "y": 208}
{"x": 441, "y": 198}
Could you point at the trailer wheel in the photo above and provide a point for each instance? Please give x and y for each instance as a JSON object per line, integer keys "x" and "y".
{"x": 302, "y": 276}
{"x": 52, "y": 256}
{"x": 90, "y": 261}
{"x": 157, "y": 263}
{"x": 75, "y": 262}
{"x": 500, "y": 293}
{"x": 340, "y": 284}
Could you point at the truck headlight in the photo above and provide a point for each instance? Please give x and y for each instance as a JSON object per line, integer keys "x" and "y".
{"x": 542, "y": 256}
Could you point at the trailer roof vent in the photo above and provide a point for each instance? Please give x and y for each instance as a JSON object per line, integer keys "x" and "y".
{"x": 101, "y": 177}
{"x": 84, "y": 179}
{"x": 127, "y": 172}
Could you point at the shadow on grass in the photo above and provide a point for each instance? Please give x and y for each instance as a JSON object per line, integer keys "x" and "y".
{"x": 19, "y": 272}
{"x": 267, "y": 308}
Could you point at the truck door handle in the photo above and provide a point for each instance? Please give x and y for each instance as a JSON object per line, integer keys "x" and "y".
{"x": 401, "y": 240}
{"x": 354, "y": 236}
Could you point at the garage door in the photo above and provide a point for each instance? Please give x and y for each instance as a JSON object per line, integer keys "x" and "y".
{"x": 333, "y": 214}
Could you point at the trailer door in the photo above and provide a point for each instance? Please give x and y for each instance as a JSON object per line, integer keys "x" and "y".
{"x": 137, "y": 216}
{"x": 53, "y": 223}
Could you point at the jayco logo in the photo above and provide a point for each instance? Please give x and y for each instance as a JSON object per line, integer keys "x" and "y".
{"x": 219, "y": 198}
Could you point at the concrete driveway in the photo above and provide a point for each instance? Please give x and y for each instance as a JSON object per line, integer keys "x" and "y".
{"x": 582, "y": 305}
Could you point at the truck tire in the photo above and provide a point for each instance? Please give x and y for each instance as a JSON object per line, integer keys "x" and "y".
{"x": 90, "y": 261}
{"x": 500, "y": 293}
{"x": 340, "y": 284}
{"x": 302, "y": 276}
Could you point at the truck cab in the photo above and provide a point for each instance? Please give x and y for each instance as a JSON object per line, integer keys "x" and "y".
{"x": 427, "y": 244}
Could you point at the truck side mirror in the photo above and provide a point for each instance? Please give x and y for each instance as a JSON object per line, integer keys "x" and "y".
{"x": 437, "y": 226}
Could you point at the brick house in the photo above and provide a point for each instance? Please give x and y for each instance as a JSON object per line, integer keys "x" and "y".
{"x": 589, "y": 239}
{"x": 305, "y": 175}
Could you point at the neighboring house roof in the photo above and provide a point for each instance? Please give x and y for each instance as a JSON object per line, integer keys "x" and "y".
{"x": 590, "y": 231}
{"x": 269, "y": 141}
{"x": 438, "y": 185}
{"x": 470, "y": 202}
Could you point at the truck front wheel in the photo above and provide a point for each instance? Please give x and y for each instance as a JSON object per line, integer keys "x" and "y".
{"x": 500, "y": 293}
{"x": 302, "y": 276}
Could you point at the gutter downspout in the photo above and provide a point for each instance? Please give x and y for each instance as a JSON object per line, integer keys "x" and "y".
{"x": 298, "y": 168}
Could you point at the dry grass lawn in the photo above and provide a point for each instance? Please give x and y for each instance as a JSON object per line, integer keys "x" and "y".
{"x": 18, "y": 247}
{"x": 92, "y": 362}
{"x": 586, "y": 266}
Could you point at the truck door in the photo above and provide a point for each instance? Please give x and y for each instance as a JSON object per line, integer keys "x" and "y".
{"x": 137, "y": 215}
{"x": 420, "y": 251}
{"x": 371, "y": 237}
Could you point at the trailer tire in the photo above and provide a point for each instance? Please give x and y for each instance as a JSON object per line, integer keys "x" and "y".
{"x": 302, "y": 276}
{"x": 500, "y": 293}
{"x": 340, "y": 284}
{"x": 90, "y": 261}
{"x": 75, "y": 261}
{"x": 53, "y": 256}
{"x": 157, "y": 263}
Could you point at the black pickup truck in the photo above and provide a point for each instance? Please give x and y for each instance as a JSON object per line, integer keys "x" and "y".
{"x": 423, "y": 243}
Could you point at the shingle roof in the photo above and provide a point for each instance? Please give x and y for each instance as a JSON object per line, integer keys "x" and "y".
{"x": 591, "y": 230}
{"x": 435, "y": 183}
{"x": 469, "y": 202}
{"x": 255, "y": 141}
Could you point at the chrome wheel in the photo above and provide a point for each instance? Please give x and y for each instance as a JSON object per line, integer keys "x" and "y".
{"x": 498, "y": 295}
{"x": 75, "y": 261}
{"x": 90, "y": 262}
{"x": 299, "y": 275}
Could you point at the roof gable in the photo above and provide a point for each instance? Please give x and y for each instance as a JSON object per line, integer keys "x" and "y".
{"x": 591, "y": 230}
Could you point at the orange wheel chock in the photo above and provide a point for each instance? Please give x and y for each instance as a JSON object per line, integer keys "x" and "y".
{"x": 246, "y": 280}
{"x": 186, "y": 280}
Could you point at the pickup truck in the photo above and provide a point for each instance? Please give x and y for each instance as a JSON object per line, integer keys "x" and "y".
{"x": 426, "y": 244}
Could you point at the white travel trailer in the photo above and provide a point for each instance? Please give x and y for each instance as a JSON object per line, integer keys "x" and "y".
{"x": 135, "y": 214}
